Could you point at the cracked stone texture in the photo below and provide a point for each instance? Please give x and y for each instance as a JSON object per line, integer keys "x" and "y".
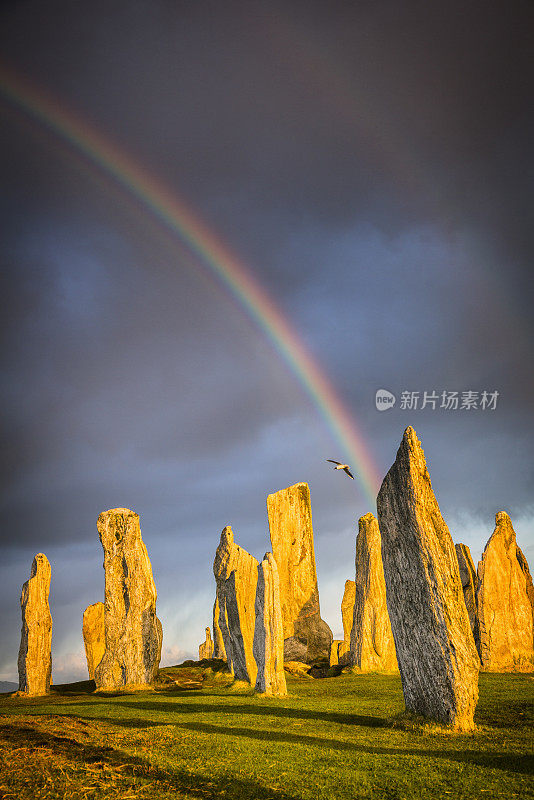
{"x": 504, "y": 607}
{"x": 340, "y": 654}
{"x": 133, "y": 634}
{"x": 372, "y": 648}
{"x": 93, "y": 636}
{"x": 436, "y": 652}
{"x": 35, "y": 654}
{"x": 268, "y": 644}
{"x": 236, "y": 576}
{"x": 205, "y": 650}
{"x": 218, "y": 641}
{"x": 334, "y": 652}
{"x": 528, "y": 578}
{"x": 290, "y": 526}
{"x": 469, "y": 579}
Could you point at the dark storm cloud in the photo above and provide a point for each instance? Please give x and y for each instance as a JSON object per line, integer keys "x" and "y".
{"x": 369, "y": 162}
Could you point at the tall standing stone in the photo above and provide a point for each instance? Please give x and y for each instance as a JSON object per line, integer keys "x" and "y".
{"x": 306, "y": 636}
{"x": 268, "y": 645}
{"x": 133, "y": 636}
{"x": 93, "y": 636}
{"x": 35, "y": 654}
{"x": 236, "y": 576}
{"x": 504, "y": 609}
{"x": 347, "y": 616}
{"x": 218, "y": 641}
{"x": 523, "y": 563}
{"x": 469, "y": 579}
{"x": 435, "y": 648}
{"x": 205, "y": 650}
{"x": 372, "y": 647}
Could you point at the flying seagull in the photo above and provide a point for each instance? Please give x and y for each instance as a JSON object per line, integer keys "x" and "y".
{"x": 344, "y": 467}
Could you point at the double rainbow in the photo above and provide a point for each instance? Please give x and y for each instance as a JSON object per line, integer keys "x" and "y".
{"x": 173, "y": 212}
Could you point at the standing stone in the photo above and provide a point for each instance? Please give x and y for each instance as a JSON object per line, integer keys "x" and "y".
{"x": 268, "y": 645}
{"x": 372, "y": 648}
{"x": 334, "y": 651}
{"x": 35, "y": 654}
{"x": 93, "y": 636}
{"x": 436, "y": 652}
{"x": 159, "y": 634}
{"x": 504, "y": 609}
{"x": 523, "y": 563}
{"x": 469, "y": 579}
{"x": 347, "y": 616}
{"x": 205, "y": 650}
{"x": 306, "y": 636}
{"x": 132, "y": 635}
{"x": 218, "y": 643}
{"x": 236, "y": 576}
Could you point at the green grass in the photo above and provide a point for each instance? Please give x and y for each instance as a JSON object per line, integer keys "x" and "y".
{"x": 342, "y": 737}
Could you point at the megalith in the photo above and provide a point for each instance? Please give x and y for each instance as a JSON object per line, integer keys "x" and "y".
{"x": 306, "y": 636}
{"x": 218, "y": 641}
{"x": 503, "y": 604}
{"x": 133, "y": 634}
{"x": 372, "y": 648}
{"x": 205, "y": 650}
{"x": 268, "y": 644}
{"x": 35, "y": 653}
{"x": 93, "y": 636}
{"x": 436, "y": 652}
{"x": 469, "y": 579}
{"x": 236, "y": 576}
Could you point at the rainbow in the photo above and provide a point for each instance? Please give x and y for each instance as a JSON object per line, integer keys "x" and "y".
{"x": 173, "y": 212}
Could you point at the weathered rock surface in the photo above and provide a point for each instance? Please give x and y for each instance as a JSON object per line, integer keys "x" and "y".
{"x": 334, "y": 652}
{"x": 35, "y": 654}
{"x": 236, "y": 577}
{"x": 218, "y": 642}
{"x": 372, "y": 648}
{"x": 523, "y": 563}
{"x": 299, "y": 669}
{"x": 268, "y": 644}
{"x": 290, "y": 526}
{"x": 347, "y": 616}
{"x": 133, "y": 633}
{"x": 469, "y": 579}
{"x": 205, "y": 650}
{"x": 93, "y": 636}
{"x": 504, "y": 609}
{"x": 435, "y": 648}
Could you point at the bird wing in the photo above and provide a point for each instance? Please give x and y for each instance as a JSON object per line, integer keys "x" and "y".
{"x": 332, "y": 461}
{"x": 349, "y": 473}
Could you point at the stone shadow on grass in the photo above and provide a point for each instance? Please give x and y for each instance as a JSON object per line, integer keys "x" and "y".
{"x": 507, "y": 761}
{"x": 510, "y": 762}
{"x": 177, "y": 780}
{"x": 266, "y": 710}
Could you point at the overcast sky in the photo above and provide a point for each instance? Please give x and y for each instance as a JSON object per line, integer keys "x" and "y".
{"x": 370, "y": 163}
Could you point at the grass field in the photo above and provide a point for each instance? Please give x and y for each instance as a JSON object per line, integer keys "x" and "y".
{"x": 342, "y": 737}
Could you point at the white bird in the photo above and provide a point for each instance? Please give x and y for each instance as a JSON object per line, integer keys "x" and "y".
{"x": 344, "y": 467}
